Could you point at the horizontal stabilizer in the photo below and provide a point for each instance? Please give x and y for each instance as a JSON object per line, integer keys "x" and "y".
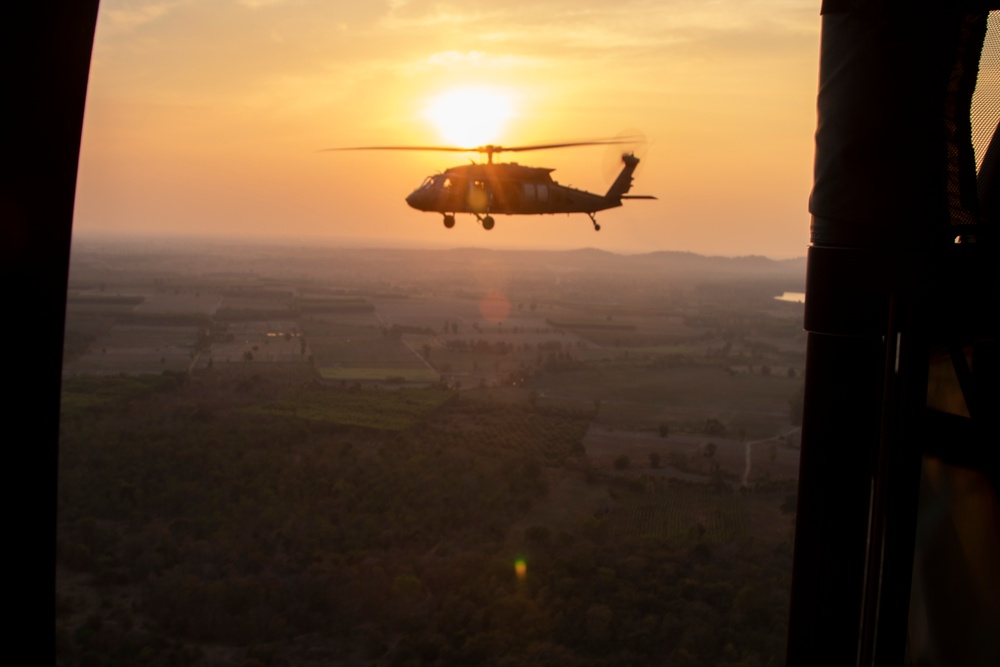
{"x": 638, "y": 197}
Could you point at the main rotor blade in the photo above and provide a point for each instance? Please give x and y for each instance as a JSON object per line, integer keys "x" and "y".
{"x": 488, "y": 148}
{"x": 539, "y": 147}
{"x": 449, "y": 149}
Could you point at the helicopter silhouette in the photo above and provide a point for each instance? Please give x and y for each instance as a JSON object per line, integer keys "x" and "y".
{"x": 509, "y": 188}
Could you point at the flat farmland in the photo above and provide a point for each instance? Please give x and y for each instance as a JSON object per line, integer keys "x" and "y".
{"x": 235, "y": 308}
{"x": 363, "y": 353}
{"x": 100, "y": 303}
{"x": 139, "y": 349}
{"x": 492, "y": 353}
{"x": 358, "y": 320}
{"x": 424, "y": 312}
{"x": 362, "y": 349}
{"x": 654, "y": 351}
{"x": 382, "y": 410}
{"x": 380, "y": 374}
{"x": 639, "y": 396}
{"x": 638, "y": 332}
{"x": 185, "y": 302}
{"x": 333, "y": 305}
{"x": 98, "y": 309}
{"x": 432, "y": 313}
{"x": 682, "y": 386}
{"x": 525, "y": 341}
{"x": 322, "y": 328}
{"x": 263, "y": 302}
{"x": 271, "y": 341}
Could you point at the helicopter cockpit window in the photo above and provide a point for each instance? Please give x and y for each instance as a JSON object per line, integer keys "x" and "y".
{"x": 428, "y": 182}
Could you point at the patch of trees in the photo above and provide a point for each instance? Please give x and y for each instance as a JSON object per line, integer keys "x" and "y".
{"x": 75, "y": 344}
{"x": 480, "y": 346}
{"x": 164, "y": 319}
{"x": 86, "y": 394}
{"x": 276, "y": 536}
{"x": 673, "y": 360}
{"x": 105, "y": 299}
{"x": 397, "y": 330}
{"x": 606, "y": 324}
{"x": 713, "y": 426}
{"x": 258, "y": 293}
{"x": 230, "y": 314}
{"x": 561, "y": 362}
{"x": 339, "y": 305}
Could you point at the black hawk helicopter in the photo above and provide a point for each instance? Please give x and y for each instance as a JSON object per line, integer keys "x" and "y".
{"x": 509, "y": 188}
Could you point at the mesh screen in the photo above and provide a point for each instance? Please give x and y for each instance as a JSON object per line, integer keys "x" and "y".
{"x": 985, "y": 112}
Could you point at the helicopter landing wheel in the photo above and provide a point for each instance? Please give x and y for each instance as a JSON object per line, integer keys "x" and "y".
{"x": 597, "y": 227}
{"x": 449, "y": 221}
{"x": 488, "y": 223}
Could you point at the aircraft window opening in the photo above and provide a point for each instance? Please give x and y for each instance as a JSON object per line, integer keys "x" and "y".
{"x": 425, "y": 490}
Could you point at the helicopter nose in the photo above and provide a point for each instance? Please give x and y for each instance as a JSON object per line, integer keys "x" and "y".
{"x": 417, "y": 200}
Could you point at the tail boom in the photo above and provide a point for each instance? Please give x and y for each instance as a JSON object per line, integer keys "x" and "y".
{"x": 623, "y": 183}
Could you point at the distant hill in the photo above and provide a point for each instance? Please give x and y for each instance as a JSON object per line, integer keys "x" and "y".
{"x": 402, "y": 265}
{"x": 664, "y": 261}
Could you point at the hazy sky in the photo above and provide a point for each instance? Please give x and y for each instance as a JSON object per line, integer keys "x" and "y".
{"x": 204, "y": 117}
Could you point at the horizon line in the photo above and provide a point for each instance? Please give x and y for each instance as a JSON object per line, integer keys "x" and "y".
{"x": 355, "y": 243}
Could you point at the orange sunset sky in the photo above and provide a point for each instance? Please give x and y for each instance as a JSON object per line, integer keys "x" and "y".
{"x": 204, "y": 117}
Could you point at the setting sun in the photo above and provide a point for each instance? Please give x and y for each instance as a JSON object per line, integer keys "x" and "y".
{"x": 470, "y": 116}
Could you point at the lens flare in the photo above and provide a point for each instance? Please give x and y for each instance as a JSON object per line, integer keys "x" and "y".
{"x": 494, "y": 307}
{"x": 520, "y": 569}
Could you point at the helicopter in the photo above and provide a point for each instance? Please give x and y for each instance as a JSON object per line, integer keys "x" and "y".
{"x": 510, "y": 188}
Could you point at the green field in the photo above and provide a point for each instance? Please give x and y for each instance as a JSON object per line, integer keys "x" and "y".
{"x": 361, "y": 348}
{"x": 347, "y": 304}
{"x": 138, "y": 349}
{"x": 379, "y": 374}
{"x": 381, "y": 410}
{"x": 83, "y": 393}
{"x": 582, "y": 323}
{"x": 654, "y": 350}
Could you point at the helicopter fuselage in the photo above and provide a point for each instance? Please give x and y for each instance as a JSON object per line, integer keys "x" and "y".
{"x": 503, "y": 188}
{"x": 512, "y": 189}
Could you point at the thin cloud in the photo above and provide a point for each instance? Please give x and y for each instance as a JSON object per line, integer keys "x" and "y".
{"x": 124, "y": 17}
{"x": 624, "y": 27}
{"x": 254, "y": 4}
{"x": 473, "y": 60}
